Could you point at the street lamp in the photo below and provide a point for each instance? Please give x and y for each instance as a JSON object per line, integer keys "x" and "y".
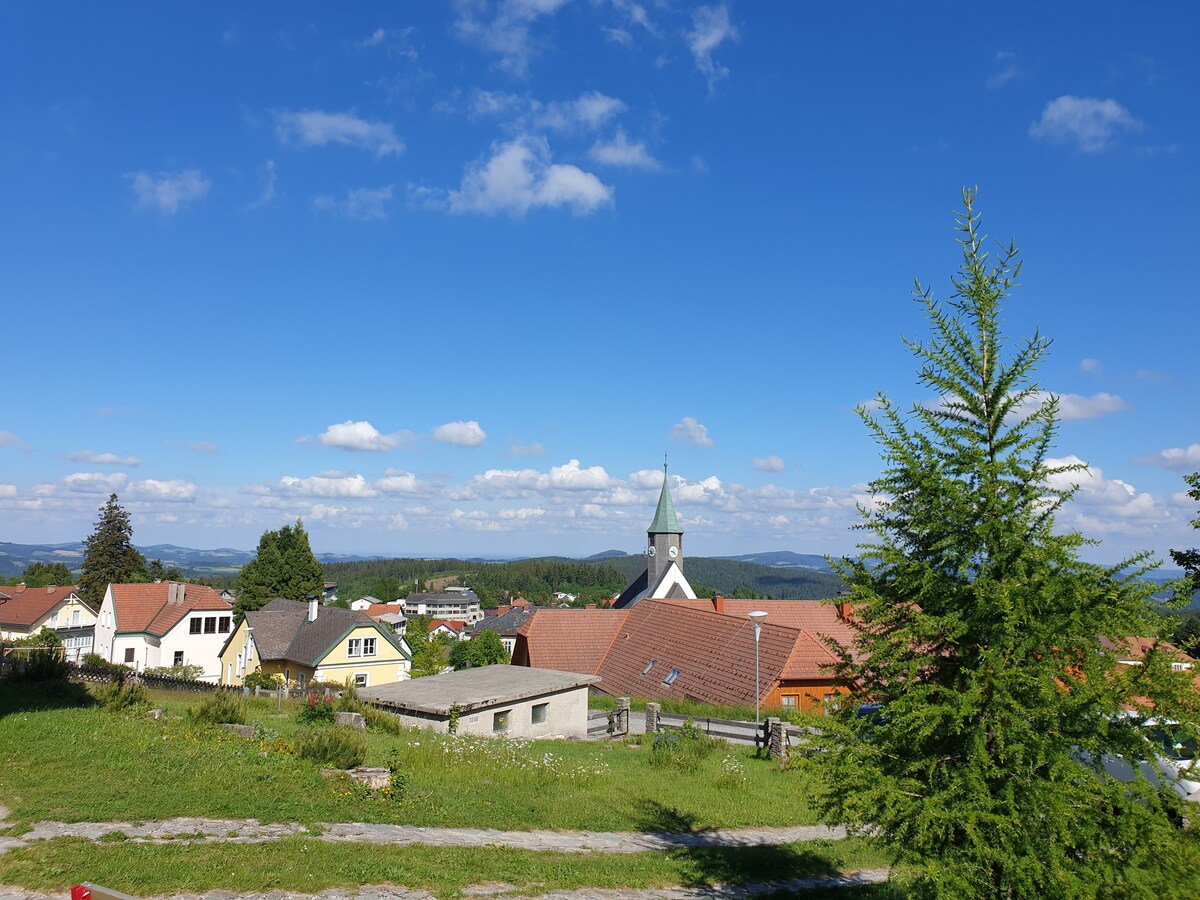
{"x": 756, "y": 617}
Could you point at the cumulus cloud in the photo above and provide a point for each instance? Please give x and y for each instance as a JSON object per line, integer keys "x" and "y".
{"x": 770, "y": 464}
{"x": 1180, "y": 459}
{"x": 689, "y": 430}
{"x": 1087, "y": 123}
{"x": 620, "y": 151}
{"x": 363, "y": 436}
{"x": 523, "y": 514}
{"x": 1104, "y": 505}
{"x": 568, "y": 477}
{"x": 710, "y": 28}
{"x": 506, "y": 33}
{"x": 150, "y": 489}
{"x": 102, "y": 459}
{"x": 364, "y": 204}
{"x": 95, "y": 482}
{"x": 588, "y": 112}
{"x": 328, "y": 485}
{"x": 487, "y": 104}
{"x": 8, "y": 490}
{"x": 397, "y": 482}
{"x": 519, "y": 176}
{"x": 316, "y": 128}
{"x": 1075, "y": 406}
{"x": 167, "y": 192}
{"x": 464, "y": 434}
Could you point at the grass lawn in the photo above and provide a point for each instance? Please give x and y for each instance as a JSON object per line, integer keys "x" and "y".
{"x": 89, "y": 764}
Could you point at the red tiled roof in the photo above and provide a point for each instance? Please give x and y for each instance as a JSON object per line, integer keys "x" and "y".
{"x": 814, "y": 617}
{"x": 1136, "y": 648}
{"x": 571, "y": 640}
{"x": 144, "y": 607}
{"x": 713, "y": 653}
{"x": 456, "y": 627}
{"x": 27, "y": 605}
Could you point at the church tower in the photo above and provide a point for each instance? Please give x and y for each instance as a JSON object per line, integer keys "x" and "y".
{"x": 664, "y": 537}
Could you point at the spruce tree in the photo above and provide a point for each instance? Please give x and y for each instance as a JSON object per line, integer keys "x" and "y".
{"x": 988, "y": 643}
{"x": 283, "y": 566}
{"x": 109, "y": 555}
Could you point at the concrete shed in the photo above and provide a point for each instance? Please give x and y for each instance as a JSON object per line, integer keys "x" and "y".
{"x": 504, "y": 701}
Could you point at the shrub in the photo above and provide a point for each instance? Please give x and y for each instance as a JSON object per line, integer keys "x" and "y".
{"x": 96, "y": 661}
{"x": 383, "y": 721}
{"x": 121, "y": 695}
{"x": 339, "y": 748}
{"x": 185, "y": 673}
{"x": 39, "y": 667}
{"x": 217, "y": 708}
{"x": 259, "y": 679}
{"x": 683, "y": 749}
{"x": 317, "y": 711}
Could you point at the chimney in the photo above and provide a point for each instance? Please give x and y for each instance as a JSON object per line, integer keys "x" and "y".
{"x": 174, "y": 593}
{"x": 312, "y": 609}
{"x": 843, "y": 610}
{"x": 719, "y": 604}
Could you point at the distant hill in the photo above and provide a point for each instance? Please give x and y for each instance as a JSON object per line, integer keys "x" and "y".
{"x": 604, "y": 554}
{"x": 729, "y": 576}
{"x": 784, "y": 559}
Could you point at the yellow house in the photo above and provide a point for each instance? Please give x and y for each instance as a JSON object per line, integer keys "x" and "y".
{"x": 308, "y": 642}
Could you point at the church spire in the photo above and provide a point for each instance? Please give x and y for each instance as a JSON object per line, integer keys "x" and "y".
{"x": 665, "y": 520}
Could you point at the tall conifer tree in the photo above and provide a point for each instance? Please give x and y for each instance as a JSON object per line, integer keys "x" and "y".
{"x": 284, "y": 566}
{"x": 988, "y": 642}
{"x": 109, "y": 555}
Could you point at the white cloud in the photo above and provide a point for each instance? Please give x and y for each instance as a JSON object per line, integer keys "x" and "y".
{"x": 95, "y": 482}
{"x": 710, "y": 28}
{"x": 620, "y": 151}
{"x": 770, "y": 464}
{"x": 1091, "y": 366}
{"x": 523, "y": 514}
{"x": 1007, "y": 72}
{"x": 363, "y": 436}
{"x": 364, "y": 204}
{"x": 519, "y": 176}
{"x": 507, "y": 33}
{"x": 1086, "y": 122}
{"x": 267, "y": 195}
{"x": 534, "y": 449}
{"x": 1182, "y": 459}
{"x": 102, "y": 459}
{"x": 316, "y": 128}
{"x": 568, "y": 477}
{"x": 464, "y": 434}
{"x": 487, "y": 104}
{"x": 689, "y": 430}
{"x": 200, "y": 447}
{"x": 397, "y": 482}
{"x": 328, "y": 485}
{"x": 1105, "y": 506}
{"x": 619, "y": 36}
{"x": 8, "y": 490}
{"x": 1072, "y": 406}
{"x": 588, "y": 112}
{"x": 8, "y": 439}
{"x": 374, "y": 39}
{"x": 168, "y": 191}
{"x": 150, "y": 489}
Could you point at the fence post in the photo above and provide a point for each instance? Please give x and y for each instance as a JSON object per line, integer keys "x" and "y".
{"x": 777, "y": 747}
{"x": 652, "y": 711}
{"x": 622, "y": 716}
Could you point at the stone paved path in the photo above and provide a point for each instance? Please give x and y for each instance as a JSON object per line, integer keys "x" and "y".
{"x": 204, "y": 830}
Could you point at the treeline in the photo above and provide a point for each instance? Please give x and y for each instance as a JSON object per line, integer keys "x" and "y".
{"x": 733, "y": 578}
{"x": 535, "y": 579}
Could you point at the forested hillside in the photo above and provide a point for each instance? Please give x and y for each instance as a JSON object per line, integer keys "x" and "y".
{"x": 730, "y": 577}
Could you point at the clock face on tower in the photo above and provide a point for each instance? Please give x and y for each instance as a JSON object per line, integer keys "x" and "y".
{"x": 673, "y": 552}
{"x": 650, "y": 551}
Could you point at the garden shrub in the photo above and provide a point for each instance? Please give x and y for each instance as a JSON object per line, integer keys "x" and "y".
{"x": 219, "y": 707}
{"x": 383, "y": 721}
{"x": 96, "y": 661}
{"x": 338, "y": 748}
{"x": 683, "y": 749}
{"x": 317, "y": 710}
{"x": 121, "y": 695}
{"x": 258, "y": 678}
{"x": 184, "y": 673}
{"x": 36, "y": 668}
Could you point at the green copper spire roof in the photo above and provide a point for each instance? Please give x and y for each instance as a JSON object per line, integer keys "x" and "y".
{"x": 665, "y": 520}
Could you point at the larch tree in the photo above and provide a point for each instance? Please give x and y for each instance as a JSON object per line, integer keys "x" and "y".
{"x": 1189, "y": 560}
{"x": 109, "y": 555}
{"x": 987, "y": 642}
{"x": 283, "y": 566}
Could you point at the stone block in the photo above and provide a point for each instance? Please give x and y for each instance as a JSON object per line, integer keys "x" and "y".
{"x": 246, "y": 731}
{"x": 156, "y": 713}
{"x": 350, "y": 720}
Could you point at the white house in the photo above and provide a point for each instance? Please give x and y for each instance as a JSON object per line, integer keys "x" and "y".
{"x": 25, "y": 611}
{"x": 455, "y": 605}
{"x": 165, "y": 624}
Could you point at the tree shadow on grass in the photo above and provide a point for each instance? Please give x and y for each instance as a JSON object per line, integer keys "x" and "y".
{"x": 706, "y": 861}
{"x": 32, "y": 696}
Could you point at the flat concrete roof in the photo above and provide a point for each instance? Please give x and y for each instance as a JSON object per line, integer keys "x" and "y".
{"x": 473, "y": 689}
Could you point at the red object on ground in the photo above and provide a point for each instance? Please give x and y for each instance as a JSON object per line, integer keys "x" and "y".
{"x": 81, "y": 892}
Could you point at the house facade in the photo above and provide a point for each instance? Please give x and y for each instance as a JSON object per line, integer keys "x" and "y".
{"x": 145, "y": 626}
{"x": 25, "y": 611}
{"x": 303, "y": 643}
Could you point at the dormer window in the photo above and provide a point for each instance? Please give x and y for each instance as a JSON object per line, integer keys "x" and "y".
{"x": 649, "y": 666}
{"x": 670, "y": 679}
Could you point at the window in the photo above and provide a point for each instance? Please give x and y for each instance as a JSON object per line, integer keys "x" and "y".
{"x": 194, "y": 626}
{"x": 539, "y": 713}
{"x": 649, "y": 666}
{"x": 500, "y": 721}
{"x": 361, "y": 647}
{"x": 369, "y": 646}
{"x": 223, "y": 624}
{"x": 670, "y": 679}
{"x": 74, "y": 617}
{"x": 178, "y": 658}
{"x": 788, "y": 701}
{"x": 210, "y": 624}
{"x": 128, "y": 655}
{"x": 360, "y": 680}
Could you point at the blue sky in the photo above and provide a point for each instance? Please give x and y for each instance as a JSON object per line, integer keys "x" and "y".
{"x": 451, "y": 278}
